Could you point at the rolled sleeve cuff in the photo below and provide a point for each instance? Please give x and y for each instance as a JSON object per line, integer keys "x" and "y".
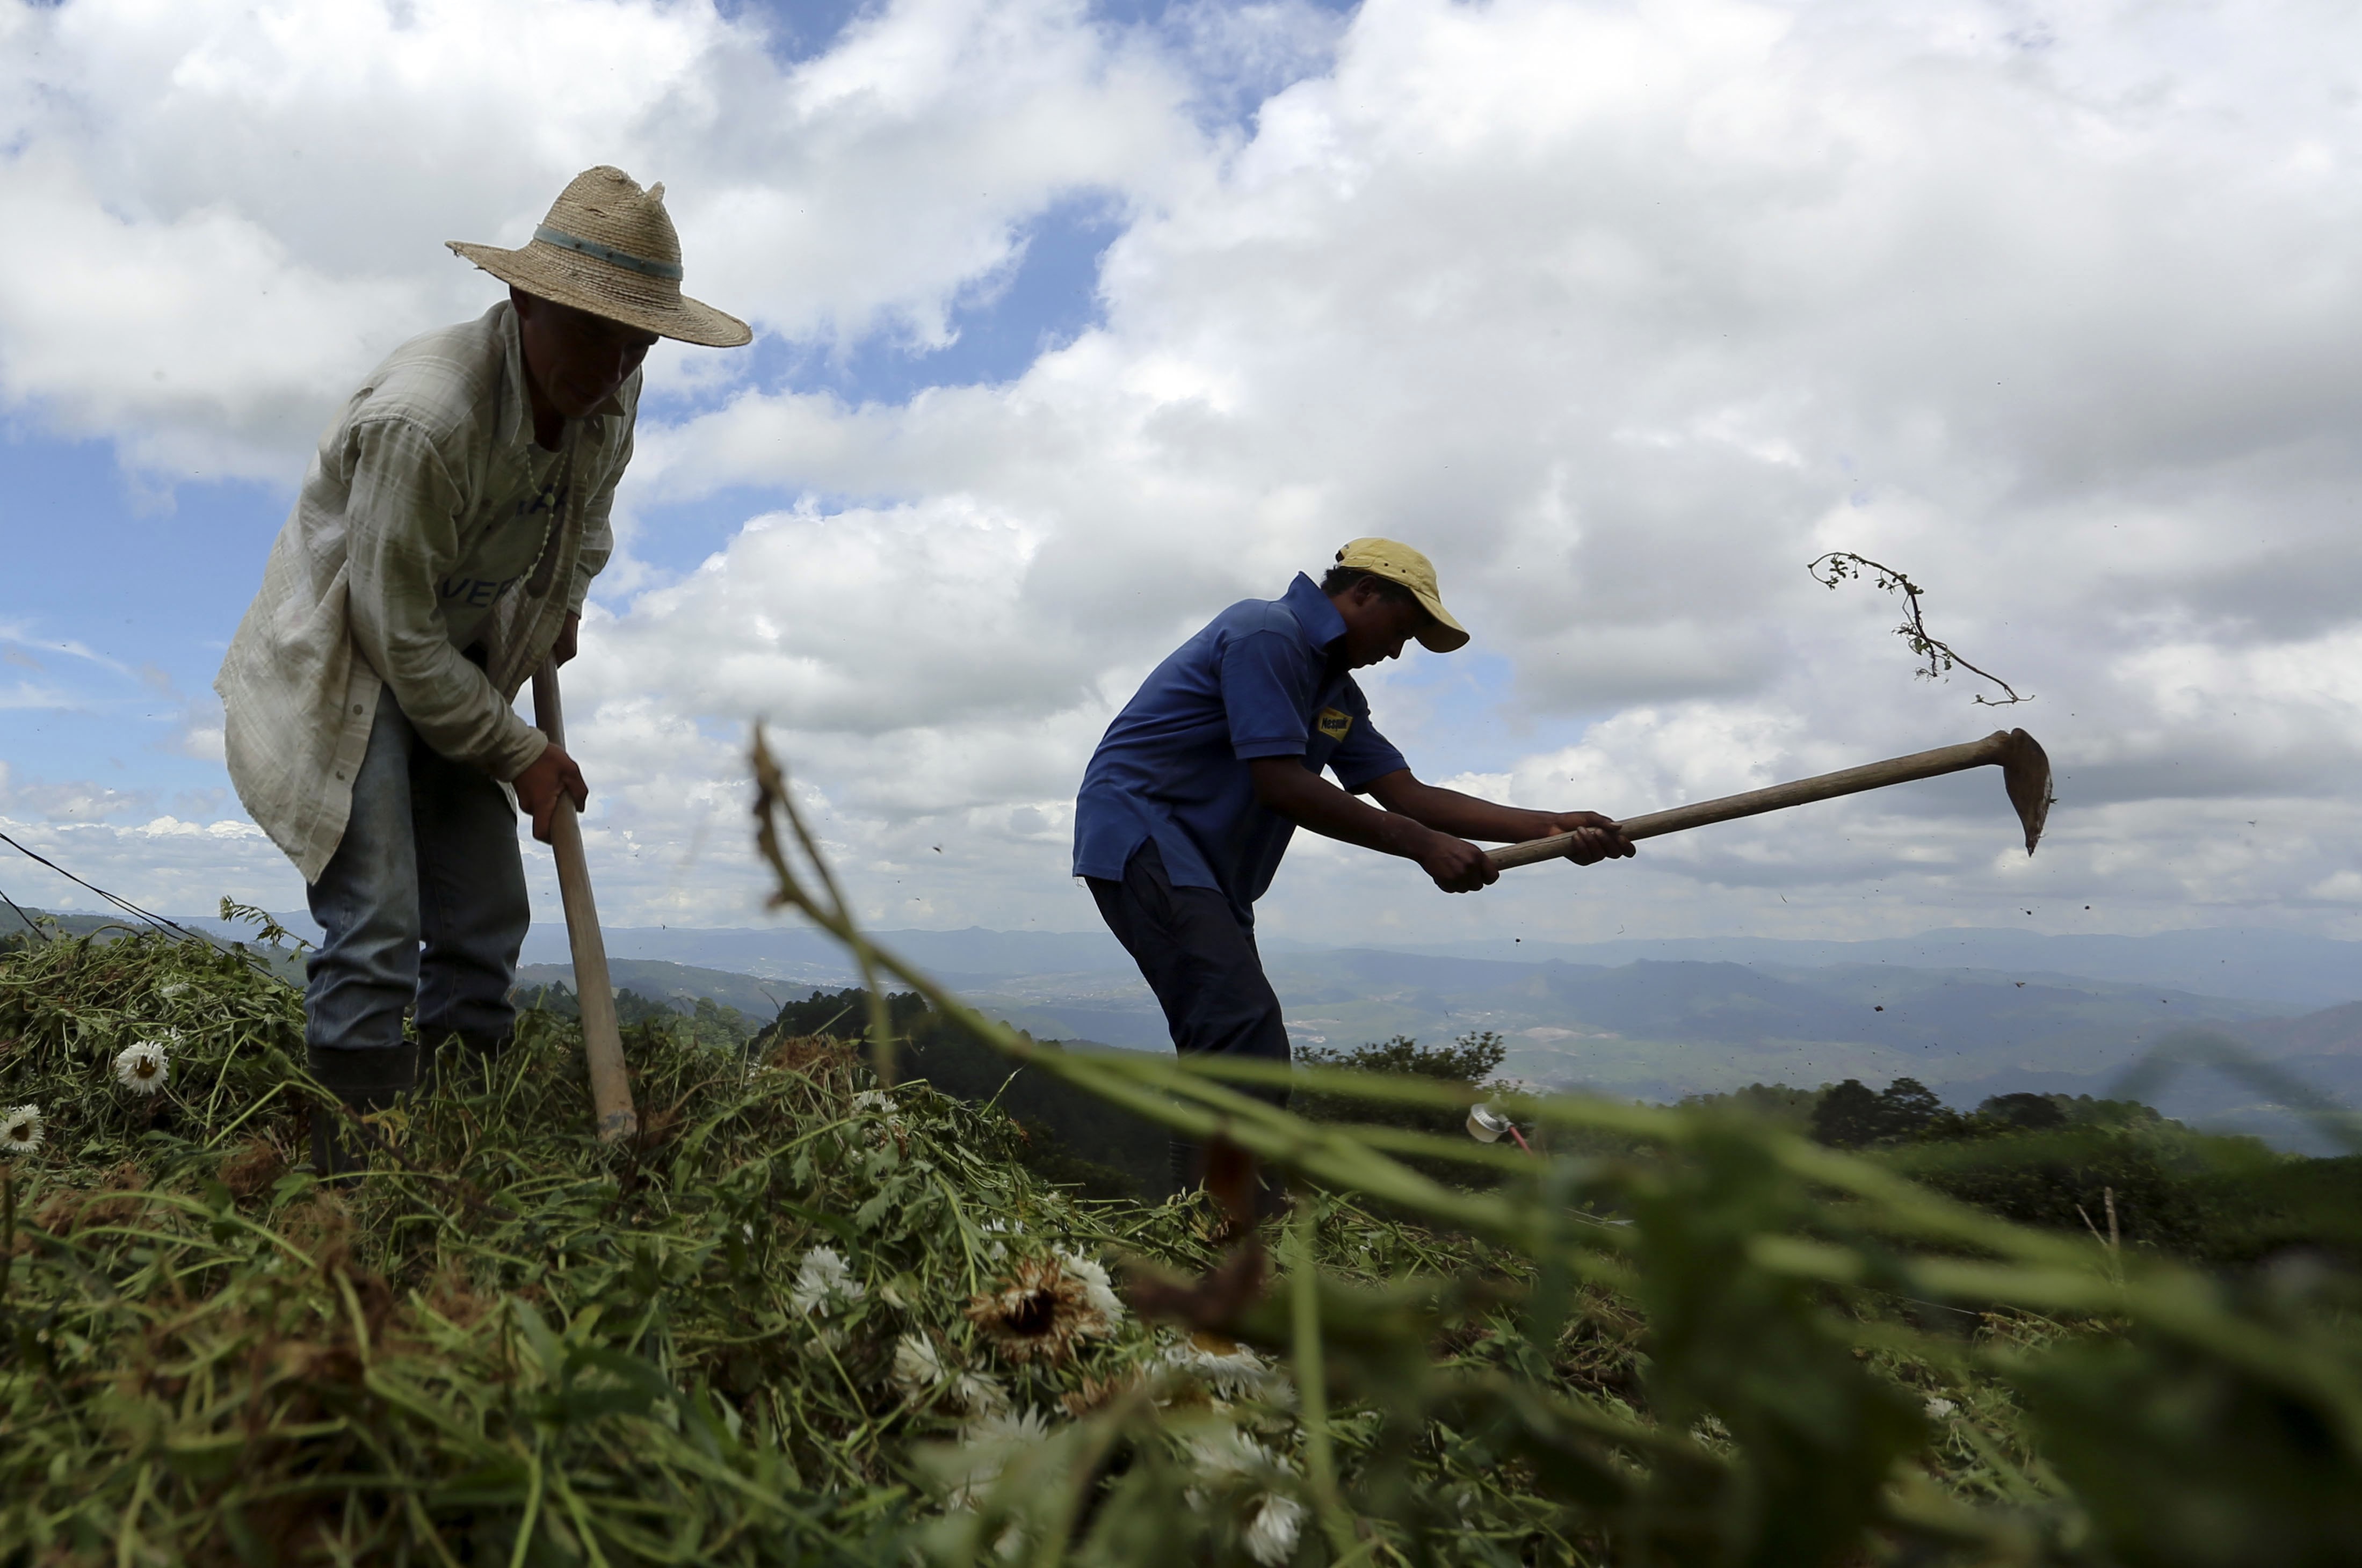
{"x": 520, "y": 747}
{"x": 1359, "y": 781}
{"x": 1360, "y": 784}
{"x": 1255, "y": 750}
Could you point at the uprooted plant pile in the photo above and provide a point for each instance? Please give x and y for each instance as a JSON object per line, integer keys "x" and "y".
{"x": 804, "y": 1319}
{"x": 799, "y": 1320}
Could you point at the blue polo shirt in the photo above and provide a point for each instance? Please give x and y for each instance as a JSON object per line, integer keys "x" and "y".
{"x": 1172, "y": 767}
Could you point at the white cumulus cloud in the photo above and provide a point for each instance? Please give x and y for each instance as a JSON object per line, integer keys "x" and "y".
{"x": 1624, "y": 314}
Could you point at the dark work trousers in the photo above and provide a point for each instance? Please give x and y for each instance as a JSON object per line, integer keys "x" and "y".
{"x": 423, "y": 905}
{"x": 1200, "y": 958}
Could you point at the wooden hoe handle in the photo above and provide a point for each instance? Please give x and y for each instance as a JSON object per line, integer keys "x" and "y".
{"x": 602, "y": 1036}
{"x": 2028, "y": 770}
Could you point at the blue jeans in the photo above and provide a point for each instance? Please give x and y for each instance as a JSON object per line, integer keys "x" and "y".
{"x": 423, "y": 904}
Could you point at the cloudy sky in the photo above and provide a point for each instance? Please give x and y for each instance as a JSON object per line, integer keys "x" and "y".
{"x": 1077, "y": 323}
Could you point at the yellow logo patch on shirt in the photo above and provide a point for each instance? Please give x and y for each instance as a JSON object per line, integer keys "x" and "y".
{"x": 1334, "y": 722}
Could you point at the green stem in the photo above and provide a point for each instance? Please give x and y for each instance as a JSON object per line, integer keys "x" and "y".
{"x": 1312, "y": 1379}
{"x": 532, "y": 1509}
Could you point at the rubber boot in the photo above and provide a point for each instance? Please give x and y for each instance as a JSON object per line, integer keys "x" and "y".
{"x": 463, "y": 1065}
{"x": 365, "y": 1081}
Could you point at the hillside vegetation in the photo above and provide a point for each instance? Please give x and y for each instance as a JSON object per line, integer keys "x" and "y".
{"x": 804, "y": 1319}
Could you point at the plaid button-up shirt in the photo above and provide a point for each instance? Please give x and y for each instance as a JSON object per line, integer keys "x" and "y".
{"x": 429, "y": 454}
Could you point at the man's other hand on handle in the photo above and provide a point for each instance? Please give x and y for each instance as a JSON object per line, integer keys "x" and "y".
{"x": 547, "y": 776}
{"x": 1597, "y": 838}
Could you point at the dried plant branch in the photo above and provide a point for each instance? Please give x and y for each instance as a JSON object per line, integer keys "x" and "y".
{"x": 1939, "y": 657}
{"x": 772, "y": 786}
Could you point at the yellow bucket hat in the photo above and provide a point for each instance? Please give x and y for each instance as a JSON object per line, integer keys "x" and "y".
{"x": 1400, "y": 563}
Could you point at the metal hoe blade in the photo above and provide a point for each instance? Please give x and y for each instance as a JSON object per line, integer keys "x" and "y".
{"x": 2026, "y": 774}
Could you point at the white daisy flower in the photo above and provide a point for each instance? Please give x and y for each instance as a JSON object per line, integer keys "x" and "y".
{"x": 824, "y": 1283}
{"x": 1270, "y": 1535}
{"x": 979, "y": 1393}
{"x": 997, "y": 1251}
{"x": 918, "y": 1370}
{"x": 141, "y": 1066}
{"x": 1229, "y": 1371}
{"x": 1231, "y": 1452}
{"x": 1229, "y": 1455}
{"x": 990, "y": 1442}
{"x": 1006, "y": 1429}
{"x": 20, "y": 1128}
{"x": 1940, "y": 1409}
{"x": 1099, "y": 1295}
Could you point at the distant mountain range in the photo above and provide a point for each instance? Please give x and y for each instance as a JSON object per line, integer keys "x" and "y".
{"x": 2279, "y": 968}
{"x": 1657, "y": 1030}
{"x": 2283, "y": 969}
{"x": 1968, "y": 1011}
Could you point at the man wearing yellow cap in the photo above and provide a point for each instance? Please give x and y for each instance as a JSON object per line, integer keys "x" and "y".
{"x": 1196, "y": 787}
{"x": 439, "y": 550}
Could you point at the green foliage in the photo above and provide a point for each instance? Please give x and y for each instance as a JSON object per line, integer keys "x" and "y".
{"x": 510, "y": 1345}
{"x": 268, "y": 931}
{"x": 507, "y": 1345}
{"x": 702, "y": 1022}
{"x": 2184, "y": 1457}
{"x": 1065, "y": 1135}
{"x": 2024, "y": 1112}
{"x": 2063, "y": 1180}
{"x": 1472, "y": 1059}
{"x": 1468, "y": 1063}
{"x": 1849, "y": 1116}
{"x": 846, "y": 1013}
{"x": 1840, "y": 1364}
{"x": 1777, "y": 1103}
{"x": 2113, "y": 1168}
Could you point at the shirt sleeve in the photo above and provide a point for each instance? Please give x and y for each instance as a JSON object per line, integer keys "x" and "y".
{"x": 1365, "y": 756}
{"x": 1265, "y": 688}
{"x": 598, "y": 526}
{"x": 402, "y": 533}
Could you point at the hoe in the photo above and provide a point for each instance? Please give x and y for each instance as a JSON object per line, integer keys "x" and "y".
{"x": 2024, "y": 773}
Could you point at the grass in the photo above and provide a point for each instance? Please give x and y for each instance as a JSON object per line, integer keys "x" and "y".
{"x": 809, "y": 1318}
{"x": 509, "y": 1345}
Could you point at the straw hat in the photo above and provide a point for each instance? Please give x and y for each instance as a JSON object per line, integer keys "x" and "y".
{"x": 609, "y": 248}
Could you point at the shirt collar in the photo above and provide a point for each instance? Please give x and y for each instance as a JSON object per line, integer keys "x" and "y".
{"x": 513, "y": 426}
{"x": 1313, "y": 611}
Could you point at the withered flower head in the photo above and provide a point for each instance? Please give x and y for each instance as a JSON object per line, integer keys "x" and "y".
{"x": 1038, "y": 1312}
{"x": 1098, "y": 1393}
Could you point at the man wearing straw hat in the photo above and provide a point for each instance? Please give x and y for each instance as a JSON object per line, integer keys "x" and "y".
{"x": 1199, "y": 783}
{"x": 440, "y": 549}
